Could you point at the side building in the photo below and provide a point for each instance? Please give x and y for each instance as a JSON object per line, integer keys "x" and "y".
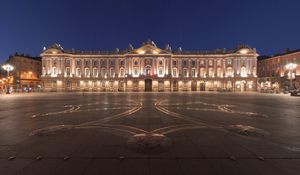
{"x": 280, "y": 72}
{"x": 27, "y": 72}
{"x": 149, "y": 68}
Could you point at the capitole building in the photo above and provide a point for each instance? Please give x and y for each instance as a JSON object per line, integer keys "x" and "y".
{"x": 149, "y": 68}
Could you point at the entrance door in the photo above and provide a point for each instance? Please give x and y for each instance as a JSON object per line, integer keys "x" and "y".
{"x": 194, "y": 86}
{"x": 202, "y": 86}
{"x": 175, "y": 85}
{"x": 148, "y": 85}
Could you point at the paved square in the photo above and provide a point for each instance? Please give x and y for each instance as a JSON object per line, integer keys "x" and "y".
{"x": 149, "y": 133}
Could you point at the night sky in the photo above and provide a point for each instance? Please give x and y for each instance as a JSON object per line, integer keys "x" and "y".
{"x": 26, "y": 26}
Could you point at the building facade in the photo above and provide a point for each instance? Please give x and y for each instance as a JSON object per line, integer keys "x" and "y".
{"x": 149, "y": 68}
{"x": 26, "y": 75}
{"x": 275, "y": 74}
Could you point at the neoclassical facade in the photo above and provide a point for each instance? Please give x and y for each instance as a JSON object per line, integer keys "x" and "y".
{"x": 149, "y": 68}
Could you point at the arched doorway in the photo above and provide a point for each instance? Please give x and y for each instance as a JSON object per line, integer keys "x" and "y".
{"x": 202, "y": 86}
{"x": 148, "y": 85}
{"x": 194, "y": 86}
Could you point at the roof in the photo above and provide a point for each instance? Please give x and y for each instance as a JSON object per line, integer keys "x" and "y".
{"x": 148, "y": 47}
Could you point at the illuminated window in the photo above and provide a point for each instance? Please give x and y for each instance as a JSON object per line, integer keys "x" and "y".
{"x": 122, "y": 74}
{"x": 95, "y": 72}
{"x": 219, "y": 72}
{"x": 193, "y": 73}
{"x": 211, "y": 72}
{"x": 54, "y": 71}
{"x": 87, "y": 72}
{"x": 68, "y": 71}
{"x": 160, "y": 71}
{"x": 202, "y": 72}
{"x": 243, "y": 72}
{"x": 210, "y": 62}
{"x": 112, "y": 72}
{"x": 174, "y": 72}
{"x": 185, "y": 73}
{"x": 219, "y": 63}
{"x": 103, "y": 72}
{"x": 135, "y": 72}
{"x": 78, "y": 73}
{"x": 229, "y": 72}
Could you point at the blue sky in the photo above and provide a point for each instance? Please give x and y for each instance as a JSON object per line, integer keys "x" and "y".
{"x": 26, "y": 26}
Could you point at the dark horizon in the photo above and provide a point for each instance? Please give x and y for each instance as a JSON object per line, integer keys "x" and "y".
{"x": 27, "y": 27}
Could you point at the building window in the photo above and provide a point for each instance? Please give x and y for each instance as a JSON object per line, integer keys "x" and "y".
{"x": 136, "y": 63}
{"x": 122, "y": 74}
{"x": 112, "y": 72}
{"x": 229, "y": 61}
{"x": 229, "y": 72}
{"x": 95, "y": 63}
{"x": 160, "y": 62}
{"x": 54, "y": 72}
{"x": 122, "y": 62}
{"x": 103, "y": 63}
{"x": 210, "y": 62}
{"x": 211, "y": 72}
{"x": 174, "y": 63}
{"x": 103, "y": 73}
{"x": 219, "y": 72}
{"x": 193, "y": 63}
{"x": 219, "y": 63}
{"x": 174, "y": 72}
{"x": 202, "y": 62}
{"x": 68, "y": 71}
{"x": 67, "y": 62}
{"x": 78, "y": 84}
{"x": 95, "y": 72}
{"x": 148, "y": 70}
{"x": 160, "y": 71}
{"x": 193, "y": 73}
{"x": 78, "y": 73}
{"x": 135, "y": 72}
{"x": 68, "y": 84}
{"x": 87, "y": 72}
{"x": 243, "y": 72}
{"x": 86, "y": 63}
{"x": 112, "y": 63}
{"x": 78, "y": 62}
{"x": 184, "y": 63}
{"x": 185, "y": 74}
{"x": 202, "y": 72}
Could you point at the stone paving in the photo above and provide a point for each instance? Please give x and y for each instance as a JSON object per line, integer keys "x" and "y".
{"x": 149, "y": 133}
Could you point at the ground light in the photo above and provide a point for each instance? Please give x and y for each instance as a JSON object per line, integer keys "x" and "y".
{"x": 8, "y": 68}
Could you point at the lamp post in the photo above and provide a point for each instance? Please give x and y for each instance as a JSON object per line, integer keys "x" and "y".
{"x": 8, "y": 68}
{"x": 291, "y": 67}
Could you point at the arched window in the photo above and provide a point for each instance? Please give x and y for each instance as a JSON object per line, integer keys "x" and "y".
{"x": 103, "y": 72}
{"x": 112, "y": 72}
{"x": 160, "y": 71}
{"x": 122, "y": 73}
{"x": 229, "y": 72}
{"x": 185, "y": 73}
{"x": 95, "y": 72}
{"x": 148, "y": 70}
{"x": 135, "y": 72}
{"x": 54, "y": 71}
{"x": 68, "y": 72}
{"x": 78, "y": 73}
{"x": 174, "y": 72}
{"x": 193, "y": 73}
{"x": 87, "y": 72}
{"x": 243, "y": 72}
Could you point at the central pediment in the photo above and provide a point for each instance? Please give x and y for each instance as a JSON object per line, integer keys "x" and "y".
{"x": 148, "y": 48}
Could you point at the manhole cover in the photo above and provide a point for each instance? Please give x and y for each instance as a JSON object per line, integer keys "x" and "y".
{"x": 149, "y": 143}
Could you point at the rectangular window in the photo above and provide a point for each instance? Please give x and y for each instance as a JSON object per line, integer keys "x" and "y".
{"x": 174, "y": 63}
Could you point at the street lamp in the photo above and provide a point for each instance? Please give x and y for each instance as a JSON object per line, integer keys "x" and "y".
{"x": 291, "y": 67}
{"x": 8, "y": 68}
